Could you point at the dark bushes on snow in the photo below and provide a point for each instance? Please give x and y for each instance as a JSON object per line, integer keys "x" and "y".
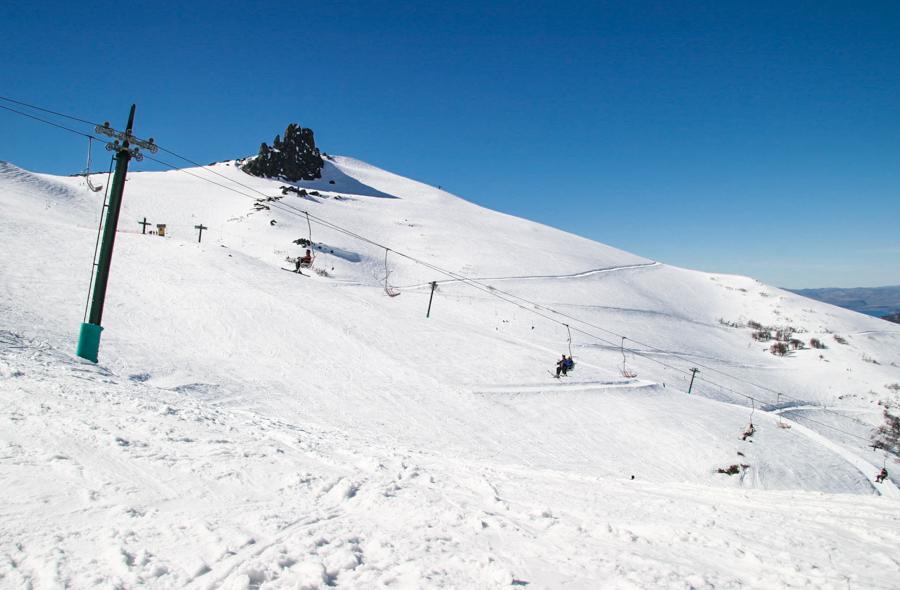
{"x": 733, "y": 469}
{"x": 779, "y": 348}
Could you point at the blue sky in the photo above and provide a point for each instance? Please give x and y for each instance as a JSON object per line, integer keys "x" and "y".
{"x": 751, "y": 138}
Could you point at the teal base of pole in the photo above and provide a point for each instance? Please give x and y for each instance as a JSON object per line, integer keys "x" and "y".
{"x": 89, "y": 341}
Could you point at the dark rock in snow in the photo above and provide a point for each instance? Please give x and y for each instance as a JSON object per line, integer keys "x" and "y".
{"x": 294, "y": 158}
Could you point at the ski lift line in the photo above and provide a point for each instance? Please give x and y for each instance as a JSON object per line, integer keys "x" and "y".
{"x": 37, "y": 108}
{"x": 650, "y": 346}
{"x": 471, "y": 282}
{"x": 69, "y": 129}
{"x": 594, "y": 336}
{"x": 532, "y": 306}
{"x": 805, "y": 418}
{"x": 500, "y": 294}
{"x": 352, "y": 234}
{"x": 490, "y": 290}
{"x": 133, "y": 138}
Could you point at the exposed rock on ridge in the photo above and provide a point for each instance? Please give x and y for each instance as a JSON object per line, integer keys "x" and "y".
{"x": 295, "y": 158}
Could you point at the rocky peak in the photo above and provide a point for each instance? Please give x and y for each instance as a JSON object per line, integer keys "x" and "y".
{"x": 294, "y": 158}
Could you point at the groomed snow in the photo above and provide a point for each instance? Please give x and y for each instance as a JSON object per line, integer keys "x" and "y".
{"x": 250, "y": 428}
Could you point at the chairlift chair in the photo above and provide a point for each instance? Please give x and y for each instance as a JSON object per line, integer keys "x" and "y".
{"x": 87, "y": 169}
{"x": 626, "y": 372}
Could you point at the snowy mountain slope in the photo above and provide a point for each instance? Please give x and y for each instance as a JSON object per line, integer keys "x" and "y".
{"x": 114, "y": 483}
{"x": 262, "y": 359}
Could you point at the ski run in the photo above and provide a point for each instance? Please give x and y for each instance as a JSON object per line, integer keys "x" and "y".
{"x": 246, "y": 428}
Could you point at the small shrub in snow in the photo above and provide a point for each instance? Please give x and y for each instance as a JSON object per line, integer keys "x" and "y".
{"x": 796, "y": 344}
{"x": 840, "y": 339}
{"x": 893, "y": 387}
{"x": 779, "y": 348}
{"x": 867, "y": 359}
{"x": 784, "y": 334}
{"x": 762, "y": 335}
{"x": 733, "y": 469}
{"x": 754, "y": 325}
{"x": 725, "y": 322}
{"x": 816, "y": 343}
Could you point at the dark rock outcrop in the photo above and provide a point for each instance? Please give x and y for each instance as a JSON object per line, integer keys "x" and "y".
{"x": 894, "y": 317}
{"x": 294, "y": 158}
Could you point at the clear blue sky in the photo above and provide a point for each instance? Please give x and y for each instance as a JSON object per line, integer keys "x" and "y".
{"x": 758, "y": 138}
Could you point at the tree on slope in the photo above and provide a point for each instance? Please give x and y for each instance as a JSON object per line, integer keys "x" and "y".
{"x": 887, "y": 436}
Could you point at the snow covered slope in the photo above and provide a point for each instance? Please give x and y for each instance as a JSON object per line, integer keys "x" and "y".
{"x": 250, "y": 427}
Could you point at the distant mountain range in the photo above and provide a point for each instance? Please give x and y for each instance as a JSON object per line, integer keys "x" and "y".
{"x": 882, "y": 302}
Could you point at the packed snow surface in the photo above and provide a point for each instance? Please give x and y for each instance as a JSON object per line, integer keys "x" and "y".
{"x": 248, "y": 427}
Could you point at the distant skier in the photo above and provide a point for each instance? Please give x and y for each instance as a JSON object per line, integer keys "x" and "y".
{"x": 882, "y": 475}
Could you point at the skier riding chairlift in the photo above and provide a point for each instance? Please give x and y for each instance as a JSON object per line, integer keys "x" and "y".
{"x": 304, "y": 261}
{"x": 882, "y": 475}
{"x": 564, "y": 365}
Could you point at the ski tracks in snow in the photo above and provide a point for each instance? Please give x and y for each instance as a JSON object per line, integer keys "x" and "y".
{"x": 113, "y": 482}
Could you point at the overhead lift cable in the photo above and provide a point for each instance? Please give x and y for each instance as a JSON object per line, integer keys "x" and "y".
{"x": 528, "y": 305}
{"x": 44, "y": 110}
{"x": 510, "y": 298}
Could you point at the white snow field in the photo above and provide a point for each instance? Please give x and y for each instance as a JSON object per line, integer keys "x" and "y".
{"x": 248, "y": 427}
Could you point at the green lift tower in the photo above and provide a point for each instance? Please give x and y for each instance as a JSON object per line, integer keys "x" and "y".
{"x": 126, "y": 146}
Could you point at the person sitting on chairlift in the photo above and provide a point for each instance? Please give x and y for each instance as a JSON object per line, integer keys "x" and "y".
{"x": 570, "y": 364}
{"x": 305, "y": 260}
{"x": 882, "y": 475}
{"x": 561, "y": 366}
